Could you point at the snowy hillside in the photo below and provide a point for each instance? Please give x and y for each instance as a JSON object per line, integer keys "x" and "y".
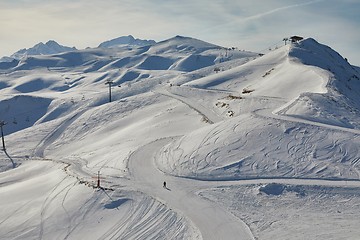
{"x": 250, "y": 146}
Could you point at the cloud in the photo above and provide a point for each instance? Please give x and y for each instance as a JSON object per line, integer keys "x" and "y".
{"x": 272, "y": 11}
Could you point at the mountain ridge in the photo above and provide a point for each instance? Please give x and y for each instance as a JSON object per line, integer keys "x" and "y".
{"x": 50, "y": 47}
{"x": 188, "y": 55}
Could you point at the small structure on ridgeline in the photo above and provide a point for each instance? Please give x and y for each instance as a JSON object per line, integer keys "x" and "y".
{"x": 295, "y": 39}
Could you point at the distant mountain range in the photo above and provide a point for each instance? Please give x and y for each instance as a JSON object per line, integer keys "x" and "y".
{"x": 52, "y": 47}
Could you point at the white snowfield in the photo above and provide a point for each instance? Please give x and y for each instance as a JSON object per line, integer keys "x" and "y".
{"x": 249, "y": 146}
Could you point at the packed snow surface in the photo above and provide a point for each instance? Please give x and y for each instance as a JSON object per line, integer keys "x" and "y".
{"x": 196, "y": 141}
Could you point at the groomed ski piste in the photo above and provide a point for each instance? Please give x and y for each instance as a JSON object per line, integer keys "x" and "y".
{"x": 250, "y": 146}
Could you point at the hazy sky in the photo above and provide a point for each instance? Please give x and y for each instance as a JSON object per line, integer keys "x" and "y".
{"x": 252, "y": 25}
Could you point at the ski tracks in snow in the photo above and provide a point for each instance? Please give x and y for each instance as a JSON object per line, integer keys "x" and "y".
{"x": 55, "y": 134}
{"x": 207, "y": 114}
{"x": 56, "y": 192}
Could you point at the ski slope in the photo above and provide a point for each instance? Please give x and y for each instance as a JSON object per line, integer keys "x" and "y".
{"x": 265, "y": 148}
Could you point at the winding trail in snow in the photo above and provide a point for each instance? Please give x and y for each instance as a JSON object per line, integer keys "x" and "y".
{"x": 213, "y": 221}
{"x": 267, "y": 113}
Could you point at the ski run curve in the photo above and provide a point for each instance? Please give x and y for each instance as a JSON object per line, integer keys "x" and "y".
{"x": 212, "y": 221}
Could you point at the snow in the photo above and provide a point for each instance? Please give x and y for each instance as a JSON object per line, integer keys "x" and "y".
{"x": 250, "y": 146}
{"x": 298, "y": 212}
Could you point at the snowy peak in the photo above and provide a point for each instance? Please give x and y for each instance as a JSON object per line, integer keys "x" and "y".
{"x": 126, "y": 40}
{"x": 50, "y": 47}
{"x": 338, "y": 103}
{"x": 183, "y": 44}
{"x": 310, "y": 52}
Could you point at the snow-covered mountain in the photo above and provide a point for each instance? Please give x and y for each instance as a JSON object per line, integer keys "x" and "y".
{"x": 50, "y": 47}
{"x": 179, "y": 53}
{"x": 127, "y": 41}
{"x": 250, "y": 146}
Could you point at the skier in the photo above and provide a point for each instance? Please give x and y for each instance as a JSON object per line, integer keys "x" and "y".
{"x": 164, "y": 186}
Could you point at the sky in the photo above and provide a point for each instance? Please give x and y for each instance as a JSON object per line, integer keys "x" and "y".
{"x": 255, "y": 25}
